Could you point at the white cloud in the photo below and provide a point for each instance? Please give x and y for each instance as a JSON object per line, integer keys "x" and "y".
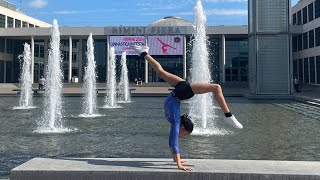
{"x": 38, "y": 4}
{"x": 220, "y": 1}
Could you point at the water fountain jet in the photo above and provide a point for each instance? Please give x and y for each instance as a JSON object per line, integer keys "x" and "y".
{"x": 25, "y": 100}
{"x": 51, "y": 122}
{"x": 124, "y": 81}
{"x": 90, "y": 99}
{"x": 201, "y": 106}
{"x": 111, "y": 82}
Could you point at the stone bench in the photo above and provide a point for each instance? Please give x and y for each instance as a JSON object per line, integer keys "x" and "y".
{"x": 161, "y": 169}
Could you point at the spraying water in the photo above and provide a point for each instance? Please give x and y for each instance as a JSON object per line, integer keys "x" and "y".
{"x": 201, "y": 106}
{"x": 52, "y": 120}
{"x": 124, "y": 81}
{"x": 25, "y": 101}
{"x": 90, "y": 101}
{"x": 111, "y": 81}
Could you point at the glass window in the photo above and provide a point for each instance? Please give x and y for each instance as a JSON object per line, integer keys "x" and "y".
{"x": 306, "y": 70}
{"x": 38, "y": 59}
{"x": 305, "y": 15}
{"x": 2, "y": 21}
{"x": 310, "y": 12}
{"x": 295, "y": 68}
{"x": 271, "y": 16}
{"x": 24, "y": 24}
{"x": 294, "y": 43}
{"x": 311, "y": 38}
{"x": 312, "y": 70}
{"x": 318, "y": 69}
{"x": 300, "y": 69}
{"x": 9, "y": 76}
{"x": 2, "y": 44}
{"x": 317, "y": 36}
{"x": 9, "y": 46}
{"x": 300, "y": 42}
{"x": 17, "y": 23}
{"x": 236, "y": 59}
{"x": 299, "y": 22}
{"x": 305, "y": 40}
{"x": 317, "y": 8}
{"x": 9, "y": 22}
{"x": 2, "y": 71}
{"x": 64, "y": 47}
{"x": 294, "y": 19}
{"x": 31, "y": 25}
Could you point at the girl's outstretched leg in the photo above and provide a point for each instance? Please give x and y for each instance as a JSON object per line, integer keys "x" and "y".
{"x": 217, "y": 90}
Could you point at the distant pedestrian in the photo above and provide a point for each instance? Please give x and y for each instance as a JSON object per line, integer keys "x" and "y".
{"x": 42, "y": 82}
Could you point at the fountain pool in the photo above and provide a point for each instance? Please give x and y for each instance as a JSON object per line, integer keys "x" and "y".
{"x": 273, "y": 130}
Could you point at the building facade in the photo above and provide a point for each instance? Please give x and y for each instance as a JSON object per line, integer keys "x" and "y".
{"x": 306, "y": 41}
{"x": 270, "y": 47}
{"x": 11, "y": 18}
{"x": 228, "y": 47}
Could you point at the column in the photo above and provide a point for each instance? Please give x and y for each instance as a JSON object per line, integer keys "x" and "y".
{"x": 6, "y": 22}
{"x": 184, "y": 58}
{"x": 45, "y": 60}
{"x": 80, "y": 61}
{"x": 5, "y": 71}
{"x": 223, "y": 59}
{"x": 32, "y": 59}
{"x": 309, "y": 73}
{"x": 70, "y": 60}
{"x": 146, "y": 65}
{"x": 302, "y": 69}
{"x": 316, "y": 70}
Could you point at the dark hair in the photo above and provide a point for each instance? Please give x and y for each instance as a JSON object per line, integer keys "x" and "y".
{"x": 187, "y": 123}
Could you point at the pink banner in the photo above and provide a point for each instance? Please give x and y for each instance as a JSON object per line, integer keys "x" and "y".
{"x": 165, "y": 45}
{"x": 122, "y": 43}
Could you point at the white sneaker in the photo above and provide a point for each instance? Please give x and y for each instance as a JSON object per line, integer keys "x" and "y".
{"x": 233, "y": 122}
{"x": 140, "y": 49}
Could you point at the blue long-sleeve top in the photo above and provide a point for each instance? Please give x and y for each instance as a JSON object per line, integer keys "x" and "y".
{"x": 172, "y": 114}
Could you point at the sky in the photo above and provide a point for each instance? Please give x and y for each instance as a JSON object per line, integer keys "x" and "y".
{"x": 101, "y": 13}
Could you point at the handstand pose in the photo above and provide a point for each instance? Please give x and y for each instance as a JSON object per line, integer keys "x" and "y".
{"x": 182, "y": 125}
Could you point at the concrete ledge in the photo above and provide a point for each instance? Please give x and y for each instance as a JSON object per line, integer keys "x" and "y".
{"x": 154, "y": 169}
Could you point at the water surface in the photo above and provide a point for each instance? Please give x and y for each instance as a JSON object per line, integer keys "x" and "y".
{"x": 273, "y": 130}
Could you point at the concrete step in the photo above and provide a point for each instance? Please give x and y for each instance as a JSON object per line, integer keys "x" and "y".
{"x": 160, "y": 169}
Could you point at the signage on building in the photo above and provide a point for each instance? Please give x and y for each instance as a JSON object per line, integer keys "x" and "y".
{"x": 149, "y": 30}
{"x": 122, "y": 43}
{"x": 165, "y": 45}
